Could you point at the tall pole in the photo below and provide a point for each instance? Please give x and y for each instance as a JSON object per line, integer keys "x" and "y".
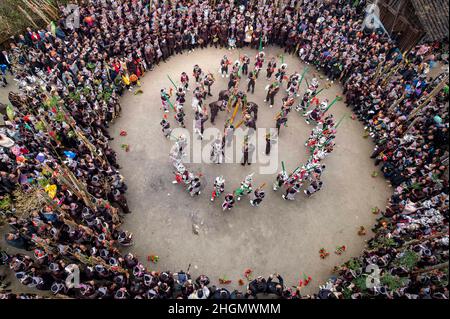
{"x": 433, "y": 93}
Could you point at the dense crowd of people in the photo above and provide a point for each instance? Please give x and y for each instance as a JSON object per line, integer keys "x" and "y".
{"x": 54, "y": 143}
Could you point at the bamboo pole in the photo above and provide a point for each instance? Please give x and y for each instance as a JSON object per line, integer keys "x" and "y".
{"x": 337, "y": 98}
{"x": 433, "y": 93}
{"x": 431, "y": 268}
{"x": 239, "y": 124}
{"x": 37, "y": 11}
{"x": 236, "y": 108}
{"x": 45, "y": 10}
{"x": 28, "y": 17}
{"x": 393, "y": 71}
{"x": 394, "y": 105}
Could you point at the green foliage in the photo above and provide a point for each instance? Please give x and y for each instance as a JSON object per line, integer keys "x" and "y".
{"x": 106, "y": 96}
{"x": 86, "y": 90}
{"x": 416, "y": 186}
{"x": 360, "y": 282}
{"x": 75, "y": 96}
{"x": 43, "y": 182}
{"x": 53, "y": 102}
{"x": 408, "y": 260}
{"x": 354, "y": 264}
{"x": 392, "y": 282}
{"x": 5, "y": 203}
{"x": 90, "y": 66}
{"x": 39, "y": 126}
{"x": 347, "y": 293}
{"x": 383, "y": 242}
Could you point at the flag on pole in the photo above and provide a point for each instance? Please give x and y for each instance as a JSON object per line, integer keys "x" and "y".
{"x": 10, "y": 112}
{"x": 303, "y": 75}
{"x": 340, "y": 121}
{"x": 53, "y": 28}
{"x": 338, "y": 98}
{"x": 174, "y": 85}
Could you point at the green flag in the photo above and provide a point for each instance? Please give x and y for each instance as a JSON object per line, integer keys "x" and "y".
{"x": 10, "y": 112}
{"x": 53, "y": 28}
{"x": 338, "y": 98}
{"x": 175, "y": 86}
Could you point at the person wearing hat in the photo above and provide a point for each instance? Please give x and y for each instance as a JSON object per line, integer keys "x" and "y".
{"x": 257, "y": 197}
{"x": 165, "y": 100}
{"x": 180, "y": 98}
{"x": 224, "y": 63}
{"x": 251, "y": 81}
{"x": 281, "y": 120}
{"x": 184, "y": 79}
{"x": 208, "y": 82}
{"x": 291, "y": 191}
{"x": 216, "y": 155}
{"x": 314, "y": 187}
{"x": 214, "y": 108}
{"x": 199, "y": 126}
{"x": 194, "y": 187}
{"x": 272, "y": 91}
{"x": 179, "y": 117}
{"x": 281, "y": 74}
{"x": 245, "y": 151}
{"x": 271, "y": 66}
{"x": 197, "y": 72}
{"x": 165, "y": 127}
{"x": 269, "y": 142}
{"x": 245, "y": 62}
{"x": 259, "y": 62}
{"x": 228, "y": 202}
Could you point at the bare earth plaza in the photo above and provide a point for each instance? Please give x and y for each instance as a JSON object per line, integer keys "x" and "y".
{"x": 224, "y": 150}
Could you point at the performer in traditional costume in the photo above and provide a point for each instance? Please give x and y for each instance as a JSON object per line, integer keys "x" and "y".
{"x": 219, "y": 187}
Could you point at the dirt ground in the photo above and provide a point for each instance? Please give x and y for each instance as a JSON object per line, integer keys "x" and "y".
{"x": 278, "y": 236}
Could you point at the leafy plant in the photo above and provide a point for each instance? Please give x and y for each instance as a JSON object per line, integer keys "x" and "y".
{"x": 347, "y": 293}
{"x": 383, "y": 242}
{"x": 75, "y": 96}
{"x": 60, "y": 117}
{"x": 86, "y": 90}
{"x": 5, "y": 203}
{"x": 106, "y": 96}
{"x": 409, "y": 260}
{"x": 360, "y": 282}
{"x": 392, "y": 282}
{"x": 43, "y": 181}
{"x": 90, "y": 66}
{"x": 354, "y": 264}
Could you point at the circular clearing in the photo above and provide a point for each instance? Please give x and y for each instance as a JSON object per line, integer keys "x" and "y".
{"x": 278, "y": 236}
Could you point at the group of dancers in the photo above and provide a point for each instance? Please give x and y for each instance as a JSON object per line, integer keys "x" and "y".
{"x": 320, "y": 141}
